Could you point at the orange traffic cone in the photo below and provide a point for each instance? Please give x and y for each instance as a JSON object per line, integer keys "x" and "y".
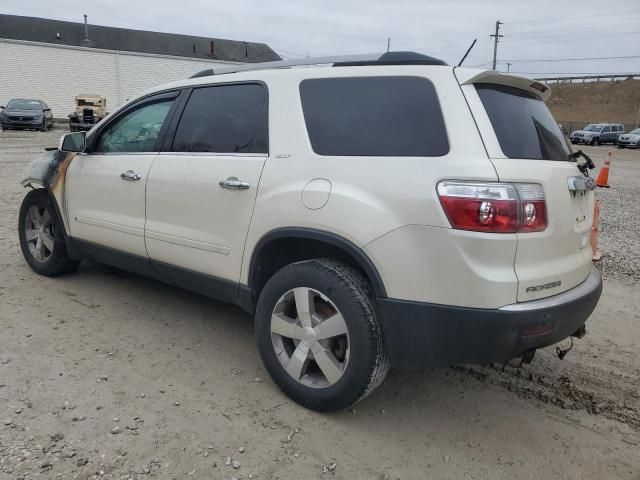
{"x": 594, "y": 231}
{"x": 603, "y": 175}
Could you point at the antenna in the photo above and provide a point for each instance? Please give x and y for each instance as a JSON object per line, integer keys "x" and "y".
{"x": 467, "y": 52}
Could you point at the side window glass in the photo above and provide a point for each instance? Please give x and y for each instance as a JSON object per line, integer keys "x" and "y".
{"x": 606, "y": 129}
{"x": 224, "y": 119}
{"x": 374, "y": 116}
{"x": 137, "y": 131}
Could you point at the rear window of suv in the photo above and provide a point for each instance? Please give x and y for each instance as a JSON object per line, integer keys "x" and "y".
{"x": 374, "y": 116}
{"x": 523, "y": 124}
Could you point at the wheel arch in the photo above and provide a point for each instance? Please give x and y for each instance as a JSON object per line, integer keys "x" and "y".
{"x": 53, "y": 201}
{"x": 283, "y": 246}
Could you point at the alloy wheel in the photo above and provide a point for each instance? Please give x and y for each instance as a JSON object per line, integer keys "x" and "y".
{"x": 310, "y": 337}
{"x": 38, "y": 233}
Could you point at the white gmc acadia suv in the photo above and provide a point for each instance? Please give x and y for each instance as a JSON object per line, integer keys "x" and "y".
{"x": 387, "y": 210}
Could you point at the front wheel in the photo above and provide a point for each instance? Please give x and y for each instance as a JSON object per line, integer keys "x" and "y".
{"x": 319, "y": 336}
{"x": 41, "y": 236}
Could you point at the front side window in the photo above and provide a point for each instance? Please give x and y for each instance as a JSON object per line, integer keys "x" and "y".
{"x": 605, "y": 130}
{"x": 24, "y": 105}
{"x": 137, "y": 131}
{"x": 224, "y": 119}
{"x": 374, "y": 116}
{"x": 523, "y": 124}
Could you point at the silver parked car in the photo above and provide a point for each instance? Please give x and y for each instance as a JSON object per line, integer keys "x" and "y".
{"x": 631, "y": 139}
{"x": 597, "y": 133}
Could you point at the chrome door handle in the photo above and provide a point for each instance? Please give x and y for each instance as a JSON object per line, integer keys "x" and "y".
{"x": 232, "y": 183}
{"x": 130, "y": 176}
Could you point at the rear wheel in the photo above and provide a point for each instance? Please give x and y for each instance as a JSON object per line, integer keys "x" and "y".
{"x": 319, "y": 336}
{"x": 41, "y": 236}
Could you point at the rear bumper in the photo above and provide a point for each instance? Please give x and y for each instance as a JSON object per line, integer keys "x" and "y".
{"x": 420, "y": 334}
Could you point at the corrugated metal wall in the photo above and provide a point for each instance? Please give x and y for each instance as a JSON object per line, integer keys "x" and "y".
{"x": 56, "y": 74}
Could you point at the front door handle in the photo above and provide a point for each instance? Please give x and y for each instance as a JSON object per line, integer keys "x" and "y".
{"x": 130, "y": 176}
{"x": 232, "y": 183}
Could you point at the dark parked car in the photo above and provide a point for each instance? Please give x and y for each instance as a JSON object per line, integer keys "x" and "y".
{"x": 26, "y": 113}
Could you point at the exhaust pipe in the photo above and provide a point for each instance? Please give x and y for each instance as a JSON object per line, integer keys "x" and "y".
{"x": 525, "y": 358}
{"x": 86, "y": 31}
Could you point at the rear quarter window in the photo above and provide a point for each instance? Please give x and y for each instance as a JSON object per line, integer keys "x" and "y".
{"x": 374, "y": 116}
{"x": 522, "y": 123}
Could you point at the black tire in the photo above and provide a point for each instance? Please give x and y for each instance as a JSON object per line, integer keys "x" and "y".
{"x": 595, "y": 141}
{"x": 57, "y": 262}
{"x": 368, "y": 361}
{"x": 43, "y": 128}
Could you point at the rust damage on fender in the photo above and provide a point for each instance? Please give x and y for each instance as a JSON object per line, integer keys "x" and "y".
{"x": 49, "y": 170}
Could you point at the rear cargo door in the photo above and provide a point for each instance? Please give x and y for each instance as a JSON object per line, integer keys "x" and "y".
{"x": 526, "y": 145}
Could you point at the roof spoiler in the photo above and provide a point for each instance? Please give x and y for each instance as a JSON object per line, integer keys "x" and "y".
{"x": 491, "y": 76}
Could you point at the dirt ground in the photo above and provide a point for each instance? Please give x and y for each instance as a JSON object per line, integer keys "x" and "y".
{"x": 105, "y": 374}
{"x": 605, "y": 101}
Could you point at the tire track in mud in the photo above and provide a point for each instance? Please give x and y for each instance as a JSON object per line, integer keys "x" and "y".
{"x": 585, "y": 391}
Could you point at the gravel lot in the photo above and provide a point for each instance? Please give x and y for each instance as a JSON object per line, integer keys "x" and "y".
{"x": 104, "y": 374}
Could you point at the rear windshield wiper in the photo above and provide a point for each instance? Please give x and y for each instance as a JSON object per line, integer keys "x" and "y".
{"x": 583, "y": 167}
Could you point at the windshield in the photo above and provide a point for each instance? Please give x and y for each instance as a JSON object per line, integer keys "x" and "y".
{"x": 24, "y": 105}
{"x": 592, "y": 128}
{"x": 635, "y": 132}
{"x": 523, "y": 124}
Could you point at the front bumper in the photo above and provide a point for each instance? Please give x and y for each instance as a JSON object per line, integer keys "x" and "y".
{"x": 420, "y": 334}
{"x": 628, "y": 143}
{"x": 27, "y": 123}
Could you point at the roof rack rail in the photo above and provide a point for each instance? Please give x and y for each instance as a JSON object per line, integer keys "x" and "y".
{"x": 388, "y": 58}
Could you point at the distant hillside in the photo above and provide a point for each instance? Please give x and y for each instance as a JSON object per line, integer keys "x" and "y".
{"x": 615, "y": 102}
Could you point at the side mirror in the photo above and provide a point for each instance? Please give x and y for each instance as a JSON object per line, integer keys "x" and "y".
{"x": 2, "y": 106}
{"x": 46, "y": 109}
{"x": 73, "y": 142}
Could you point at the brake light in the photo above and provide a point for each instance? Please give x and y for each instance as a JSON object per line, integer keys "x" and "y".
{"x": 494, "y": 207}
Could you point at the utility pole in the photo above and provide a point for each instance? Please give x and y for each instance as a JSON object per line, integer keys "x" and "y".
{"x": 388, "y": 43}
{"x": 496, "y": 37}
{"x": 509, "y": 66}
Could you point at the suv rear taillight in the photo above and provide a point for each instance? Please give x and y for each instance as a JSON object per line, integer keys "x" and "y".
{"x": 494, "y": 207}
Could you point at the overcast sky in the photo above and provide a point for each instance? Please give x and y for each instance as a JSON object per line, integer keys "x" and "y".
{"x": 533, "y": 30}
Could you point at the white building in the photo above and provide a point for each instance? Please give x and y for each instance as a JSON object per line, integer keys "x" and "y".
{"x": 54, "y": 60}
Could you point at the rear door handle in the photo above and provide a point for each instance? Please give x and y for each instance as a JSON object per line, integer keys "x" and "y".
{"x": 232, "y": 183}
{"x": 130, "y": 176}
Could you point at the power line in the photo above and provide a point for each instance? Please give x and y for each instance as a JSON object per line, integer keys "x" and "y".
{"x": 573, "y": 28}
{"x": 554, "y": 38}
{"x": 556, "y": 19}
{"x": 567, "y": 59}
{"x": 602, "y": 74}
